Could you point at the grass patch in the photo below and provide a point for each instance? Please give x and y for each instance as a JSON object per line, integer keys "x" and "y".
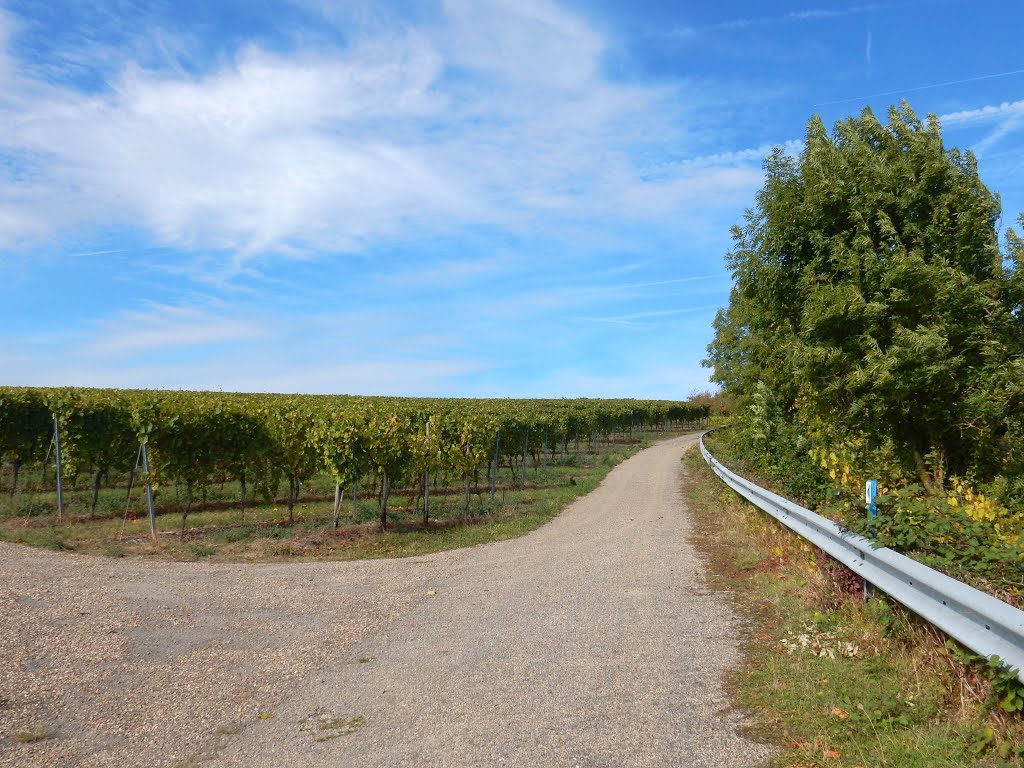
{"x": 833, "y": 681}
{"x": 33, "y": 735}
{"x": 324, "y": 727}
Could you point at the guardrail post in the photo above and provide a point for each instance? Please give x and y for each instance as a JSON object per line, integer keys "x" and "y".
{"x": 870, "y": 493}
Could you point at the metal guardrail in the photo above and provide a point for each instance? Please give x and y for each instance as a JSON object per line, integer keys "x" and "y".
{"x": 984, "y": 624}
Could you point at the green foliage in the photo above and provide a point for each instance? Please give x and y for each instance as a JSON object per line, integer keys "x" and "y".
{"x": 1007, "y": 689}
{"x": 871, "y": 299}
{"x": 774, "y": 448}
{"x": 26, "y": 424}
{"x": 942, "y": 535}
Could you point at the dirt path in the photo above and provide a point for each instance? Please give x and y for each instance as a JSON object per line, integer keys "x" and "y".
{"x": 590, "y": 642}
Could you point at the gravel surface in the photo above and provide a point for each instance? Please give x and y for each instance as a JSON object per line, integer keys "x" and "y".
{"x": 590, "y": 642}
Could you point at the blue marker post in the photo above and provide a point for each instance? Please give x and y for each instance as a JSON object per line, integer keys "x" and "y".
{"x": 870, "y": 494}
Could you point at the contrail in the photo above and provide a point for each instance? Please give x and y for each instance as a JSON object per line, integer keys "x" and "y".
{"x": 920, "y": 88}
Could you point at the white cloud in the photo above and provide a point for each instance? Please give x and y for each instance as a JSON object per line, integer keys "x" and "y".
{"x": 983, "y": 114}
{"x": 499, "y": 114}
{"x": 264, "y": 152}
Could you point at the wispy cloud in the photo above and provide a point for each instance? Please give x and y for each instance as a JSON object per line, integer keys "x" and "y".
{"x": 918, "y": 88}
{"x": 810, "y": 14}
{"x": 981, "y": 114}
{"x": 651, "y": 314}
{"x": 1009, "y": 117}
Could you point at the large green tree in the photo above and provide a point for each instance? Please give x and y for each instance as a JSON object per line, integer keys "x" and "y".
{"x": 871, "y": 297}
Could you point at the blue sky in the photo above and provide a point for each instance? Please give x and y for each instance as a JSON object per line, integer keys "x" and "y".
{"x": 461, "y": 197}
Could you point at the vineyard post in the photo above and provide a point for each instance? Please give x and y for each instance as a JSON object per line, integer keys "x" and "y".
{"x": 60, "y": 484}
{"x": 149, "y": 492}
{"x": 426, "y": 482}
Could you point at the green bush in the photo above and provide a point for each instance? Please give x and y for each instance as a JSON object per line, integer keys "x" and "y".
{"x": 943, "y": 536}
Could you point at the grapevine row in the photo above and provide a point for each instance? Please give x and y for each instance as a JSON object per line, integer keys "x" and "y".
{"x": 198, "y": 438}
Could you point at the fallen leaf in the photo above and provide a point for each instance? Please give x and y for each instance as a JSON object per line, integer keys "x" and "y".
{"x": 830, "y": 754}
{"x": 431, "y": 592}
{"x": 842, "y": 714}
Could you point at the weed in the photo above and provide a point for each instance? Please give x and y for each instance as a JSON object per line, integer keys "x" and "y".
{"x": 197, "y": 551}
{"x": 112, "y": 548}
{"x": 324, "y": 727}
{"x": 233, "y": 534}
{"x": 32, "y": 735}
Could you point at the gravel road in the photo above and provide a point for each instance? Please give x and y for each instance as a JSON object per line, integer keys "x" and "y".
{"x": 589, "y": 642}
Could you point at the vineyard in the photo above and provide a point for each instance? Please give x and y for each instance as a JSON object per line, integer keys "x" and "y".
{"x": 80, "y": 457}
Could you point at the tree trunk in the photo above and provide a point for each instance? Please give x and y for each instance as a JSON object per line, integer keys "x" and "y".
{"x": 526, "y": 443}
{"x": 292, "y": 494}
{"x": 16, "y": 466}
{"x": 188, "y": 507}
{"x": 355, "y": 495}
{"x": 494, "y": 465}
{"x": 426, "y": 499}
{"x": 384, "y": 489}
{"x": 241, "y": 509}
{"x": 96, "y": 490}
{"x": 465, "y": 482}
